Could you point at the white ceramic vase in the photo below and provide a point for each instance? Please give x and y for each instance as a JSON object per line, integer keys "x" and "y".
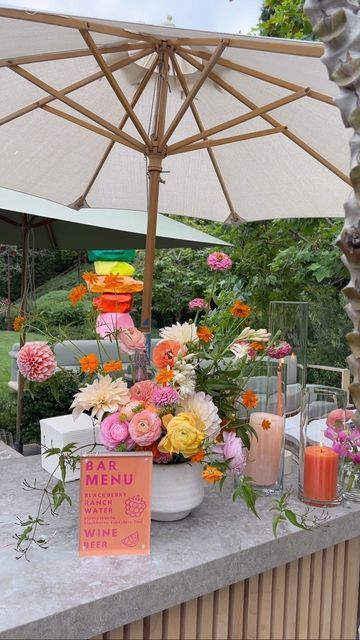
{"x": 176, "y": 490}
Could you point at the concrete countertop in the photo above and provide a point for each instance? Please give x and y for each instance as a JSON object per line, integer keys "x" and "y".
{"x": 59, "y": 595}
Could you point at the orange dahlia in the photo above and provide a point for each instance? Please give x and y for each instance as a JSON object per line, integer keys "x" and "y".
{"x": 240, "y": 309}
{"x": 249, "y": 399}
{"x": 77, "y": 293}
{"x": 112, "y": 365}
{"x": 266, "y": 424}
{"x": 212, "y": 474}
{"x": 204, "y": 334}
{"x": 89, "y": 364}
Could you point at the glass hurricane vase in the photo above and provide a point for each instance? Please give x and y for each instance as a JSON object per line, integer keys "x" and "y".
{"x": 350, "y": 481}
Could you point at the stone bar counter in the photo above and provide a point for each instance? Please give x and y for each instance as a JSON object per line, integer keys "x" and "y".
{"x": 218, "y": 574}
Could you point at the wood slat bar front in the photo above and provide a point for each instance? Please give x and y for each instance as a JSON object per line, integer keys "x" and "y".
{"x": 315, "y": 597}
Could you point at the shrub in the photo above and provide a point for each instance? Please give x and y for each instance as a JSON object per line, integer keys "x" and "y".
{"x": 41, "y": 403}
{"x": 58, "y": 313}
{"x": 8, "y": 412}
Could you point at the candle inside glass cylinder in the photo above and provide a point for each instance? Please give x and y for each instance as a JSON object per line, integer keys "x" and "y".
{"x": 264, "y": 458}
{"x": 321, "y": 465}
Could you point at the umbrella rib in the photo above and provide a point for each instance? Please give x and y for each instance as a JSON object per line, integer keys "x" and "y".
{"x": 201, "y": 128}
{"x": 275, "y": 123}
{"x": 143, "y": 84}
{"x": 72, "y": 87}
{"x": 115, "y": 86}
{"x": 264, "y": 44}
{"x": 91, "y": 127}
{"x": 76, "y": 23}
{"x": 260, "y": 75}
{"x": 239, "y": 120}
{"x": 75, "y": 53}
{"x": 9, "y": 221}
{"x": 193, "y": 92}
{"x": 76, "y": 106}
{"x": 206, "y": 144}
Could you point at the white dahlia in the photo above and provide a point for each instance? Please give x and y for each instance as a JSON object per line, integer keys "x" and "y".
{"x": 183, "y": 333}
{"x": 203, "y": 407}
{"x": 104, "y": 395}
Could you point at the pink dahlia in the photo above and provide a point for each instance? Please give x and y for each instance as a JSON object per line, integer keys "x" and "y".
{"x": 219, "y": 261}
{"x": 282, "y": 350}
{"x": 165, "y": 396}
{"x": 142, "y": 391}
{"x": 36, "y": 361}
{"x": 198, "y": 303}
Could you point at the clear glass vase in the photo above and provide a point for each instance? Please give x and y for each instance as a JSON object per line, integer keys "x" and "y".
{"x": 265, "y": 459}
{"x": 320, "y": 467}
{"x": 350, "y": 481}
{"x": 291, "y": 319}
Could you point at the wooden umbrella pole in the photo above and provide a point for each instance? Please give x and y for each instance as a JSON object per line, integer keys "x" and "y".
{"x": 155, "y": 157}
{"x": 23, "y": 310}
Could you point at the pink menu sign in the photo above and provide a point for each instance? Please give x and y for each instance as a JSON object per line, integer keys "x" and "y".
{"x": 115, "y": 504}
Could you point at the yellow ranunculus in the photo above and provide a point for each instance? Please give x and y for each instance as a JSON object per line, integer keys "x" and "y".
{"x": 183, "y": 435}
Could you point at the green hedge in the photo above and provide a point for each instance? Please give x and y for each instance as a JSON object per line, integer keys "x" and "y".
{"x": 57, "y": 313}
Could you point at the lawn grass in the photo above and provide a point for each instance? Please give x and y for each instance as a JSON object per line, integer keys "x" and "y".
{"x": 7, "y": 339}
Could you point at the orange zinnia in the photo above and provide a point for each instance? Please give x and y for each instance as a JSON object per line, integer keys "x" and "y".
{"x": 249, "y": 399}
{"x": 204, "y": 334}
{"x": 258, "y": 346}
{"x": 90, "y": 277}
{"x": 89, "y": 364}
{"x": 164, "y": 376}
{"x": 18, "y": 323}
{"x": 164, "y": 353}
{"x": 212, "y": 474}
{"x": 240, "y": 309}
{"x": 266, "y": 424}
{"x": 112, "y": 365}
{"x": 198, "y": 457}
{"x": 77, "y": 293}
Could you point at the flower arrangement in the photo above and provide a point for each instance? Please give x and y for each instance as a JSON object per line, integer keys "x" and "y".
{"x": 342, "y": 430}
{"x": 188, "y": 412}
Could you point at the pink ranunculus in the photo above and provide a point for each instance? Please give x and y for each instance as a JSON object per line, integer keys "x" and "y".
{"x": 145, "y": 428}
{"x": 198, "y": 303}
{"x": 129, "y": 410}
{"x": 113, "y": 432}
{"x": 219, "y": 261}
{"x": 232, "y": 450}
{"x": 337, "y": 418}
{"x": 142, "y": 391}
{"x": 36, "y": 361}
{"x": 131, "y": 340}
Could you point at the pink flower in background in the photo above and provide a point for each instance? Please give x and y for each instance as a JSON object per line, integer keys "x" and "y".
{"x": 337, "y": 418}
{"x": 219, "y": 261}
{"x": 164, "y": 396}
{"x": 198, "y": 303}
{"x": 142, "y": 391}
{"x": 232, "y": 450}
{"x": 114, "y": 432}
{"x": 131, "y": 340}
{"x": 145, "y": 428}
{"x": 282, "y": 350}
{"x": 36, "y": 361}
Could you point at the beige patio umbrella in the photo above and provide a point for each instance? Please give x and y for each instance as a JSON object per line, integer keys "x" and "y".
{"x": 100, "y": 113}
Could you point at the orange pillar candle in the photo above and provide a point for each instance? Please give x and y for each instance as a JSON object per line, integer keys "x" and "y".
{"x": 320, "y": 473}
